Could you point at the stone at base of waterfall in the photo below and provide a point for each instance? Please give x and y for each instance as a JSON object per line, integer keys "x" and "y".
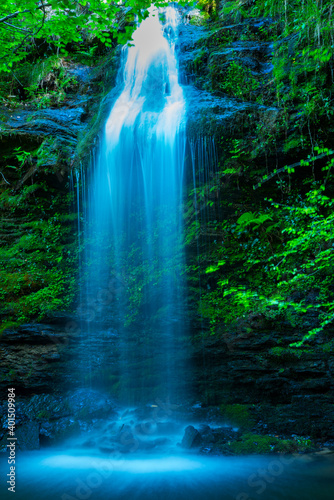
{"x": 191, "y": 438}
{"x": 27, "y": 438}
{"x": 57, "y": 431}
{"x": 207, "y": 434}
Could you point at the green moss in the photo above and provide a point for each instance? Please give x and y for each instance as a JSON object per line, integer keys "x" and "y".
{"x": 43, "y": 415}
{"x": 286, "y": 354}
{"x": 199, "y": 20}
{"x": 256, "y": 444}
{"x": 328, "y": 347}
{"x": 7, "y": 325}
{"x": 104, "y": 81}
{"x": 237, "y": 415}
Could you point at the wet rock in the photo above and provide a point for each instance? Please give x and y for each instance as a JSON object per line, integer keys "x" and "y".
{"x": 191, "y": 438}
{"x": 188, "y": 37}
{"x": 65, "y": 124}
{"x": 112, "y": 428}
{"x": 28, "y": 436}
{"x": 318, "y": 385}
{"x": 125, "y": 440}
{"x": 214, "y": 439}
{"x": 257, "y": 50}
{"x": 88, "y": 404}
{"x": 46, "y": 406}
{"x": 274, "y": 386}
{"x": 207, "y": 435}
{"x": 33, "y": 357}
{"x": 34, "y": 333}
{"x": 211, "y": 115}
{"x": 27, "y": 368}
{"x": 305, "y": 415}
{"x": 44, "y": 358}
{"x": 204, "y": 57}
{"x": 58, "y": 430}
{"x": 58, "y": 417}
{"x": 81, "y": 72}
{"x": 26, "y": 433}
{"x": 225, "y": 434}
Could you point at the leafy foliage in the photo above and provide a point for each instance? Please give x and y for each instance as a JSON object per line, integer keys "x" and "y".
{"x": 25, "y": 24}
{"x": 239, "y": 81}
{"x": 271, "y": 256}
{"x": 285, "y": 252}
{"x": 37, "y": 270}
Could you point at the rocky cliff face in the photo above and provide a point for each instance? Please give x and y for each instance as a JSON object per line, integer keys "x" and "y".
{"x": 248, "y": 362}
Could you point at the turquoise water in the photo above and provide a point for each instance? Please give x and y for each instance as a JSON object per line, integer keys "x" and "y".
{"x": 73, "y": 474}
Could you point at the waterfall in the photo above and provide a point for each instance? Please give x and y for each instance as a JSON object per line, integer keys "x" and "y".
{"x": 134, "y": 229}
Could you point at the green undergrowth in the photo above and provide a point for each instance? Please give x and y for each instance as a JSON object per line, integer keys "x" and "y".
{"x": 46, "y": 83}
{"x": 250, "y": 444}
{"x": 277, "y": 263}
{"x": 39, "y": 260}
{"x": 285, "y": 355}
{"x": 260, "y": 235}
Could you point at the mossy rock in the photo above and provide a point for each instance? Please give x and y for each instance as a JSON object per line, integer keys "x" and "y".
{"x": 65, "y": 428}
{"x": 287, "y": 354}
{"x": 328, "y": 347}
{"x": 8, "y": 325}
{"x": 237, "y": 415}
{"x": 44, "y": 415}
{"x": 99, "y": 105}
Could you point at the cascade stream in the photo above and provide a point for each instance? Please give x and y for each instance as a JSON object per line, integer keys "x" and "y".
{"x": 134, "y": 255}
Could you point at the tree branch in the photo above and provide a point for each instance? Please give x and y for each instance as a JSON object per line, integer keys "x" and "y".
{"x": 287, "y": 167}
{"x": 15, "y": 14}
{"x": 31, "y": 35}
{"x": 16, "y": 27}
{"x": 4, "y": 178}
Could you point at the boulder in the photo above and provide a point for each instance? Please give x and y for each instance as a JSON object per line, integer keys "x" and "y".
{"x": 27, "y": 437}
{"x": 191, "y": 438}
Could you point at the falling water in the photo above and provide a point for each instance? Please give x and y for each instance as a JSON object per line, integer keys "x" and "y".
{"x": 205, "y": 177}
{"x": 134, "y": 245}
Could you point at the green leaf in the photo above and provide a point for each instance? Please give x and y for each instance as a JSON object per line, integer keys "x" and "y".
{"x": 246, "y": 217}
